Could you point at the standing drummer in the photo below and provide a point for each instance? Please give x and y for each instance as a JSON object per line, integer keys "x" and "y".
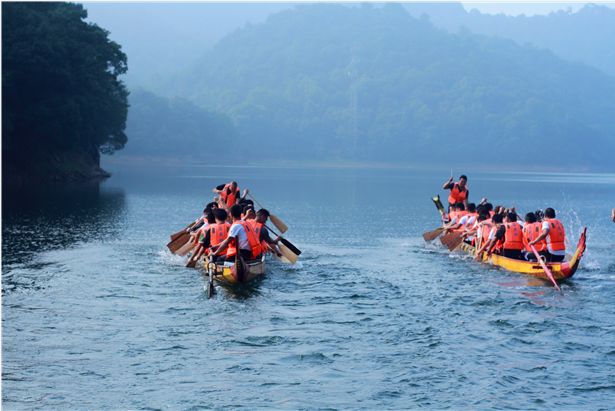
{"x": 459, "y": 191}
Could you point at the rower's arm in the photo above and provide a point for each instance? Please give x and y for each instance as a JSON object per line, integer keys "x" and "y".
{"x": 223, "y": 245}
{"x": 541, "y": 237}
{"x": 445, "y": 186}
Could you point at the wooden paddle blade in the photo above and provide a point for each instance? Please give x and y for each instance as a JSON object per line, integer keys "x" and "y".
{"x": 173, "y": 246}
{"x": 454, "y": 242}
{"x": 432, "y": 235}
{"x": 281, "y": 258}
{"x": 191, "y": 263}
{"x": 446, "y": 238}
{"x": 180, "y": 232}
{"x": 289, "y": 255}
{"x": 278, "y": 223}
{"x": 290, "y": 246}
{"x": 185, "y": 249}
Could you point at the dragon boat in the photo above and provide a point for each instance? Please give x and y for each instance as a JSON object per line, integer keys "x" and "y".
{"x": 560, "y": 270}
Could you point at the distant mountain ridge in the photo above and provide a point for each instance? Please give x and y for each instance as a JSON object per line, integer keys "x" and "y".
{"x": 586, "y": 35}
{"x": 374, "y": 84}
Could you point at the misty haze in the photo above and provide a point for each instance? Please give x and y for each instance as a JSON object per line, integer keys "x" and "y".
{"x": 308, "y": 205}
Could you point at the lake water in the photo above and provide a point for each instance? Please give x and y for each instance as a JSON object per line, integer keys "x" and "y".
{"x": 97, "y": 314}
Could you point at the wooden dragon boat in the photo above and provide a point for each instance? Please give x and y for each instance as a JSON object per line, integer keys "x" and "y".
{"x": 561, "y": 270}
{"x": 233, "y": 274}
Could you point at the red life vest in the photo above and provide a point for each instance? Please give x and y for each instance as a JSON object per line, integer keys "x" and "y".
{"x": 457, "y": 195}
{"x": 218, "y": 233}
{"x": 253, "y": 241}
{"x": 228, "y": 196}
{"x": 556, "y": 239}
{"x": 532, "y": 231}
{"x": 513, "y": 237}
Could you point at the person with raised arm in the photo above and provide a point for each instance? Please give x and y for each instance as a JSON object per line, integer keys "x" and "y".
{"x": 459, "y": 191}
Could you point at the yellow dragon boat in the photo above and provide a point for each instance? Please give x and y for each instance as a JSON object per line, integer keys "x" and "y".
{"x": 561, "y": 270}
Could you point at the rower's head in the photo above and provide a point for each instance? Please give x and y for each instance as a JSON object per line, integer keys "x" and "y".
{"x": 549, "y": 213}
{"x": 262, "y": 215}
{"x": 209, "y": 217}
{"x": 463, "y": 180}
{"x": 497, "y": 218}
{"x": 236, "y": 211}
{"x": 498, "y": 209}
{"x": 460, "y": 207}
{"x": 471, "y": 208}
{"x": 483, "y": 216}
{"x": 234, "y": 185}
{"x": 221, "y": 215}
{"x": 489, "y": 206}
{"x": 511, "y": 217}
{"x": 539, "y": 215}
{"x": 248, "y": 213}
{"x": 530, "y": 218}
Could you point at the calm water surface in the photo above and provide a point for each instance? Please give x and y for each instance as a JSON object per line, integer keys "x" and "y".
{"x": 97, "y": 314}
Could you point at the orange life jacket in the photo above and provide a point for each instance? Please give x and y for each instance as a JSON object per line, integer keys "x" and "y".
{"x": 253, "y": 241}
{"x": 513, "y": 237}
{"x": 258, "y": 228}
{"x": 484, "y": 228}
{"x": 532, "y": 231}
{"x": 228, "y": 196}
{"x": 556, "y": 239}
{"x": 457, "y": 195}
{"x": 218, "y": 233}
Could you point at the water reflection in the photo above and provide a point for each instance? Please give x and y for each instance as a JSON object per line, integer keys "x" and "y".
{"x": 43, "y": 218}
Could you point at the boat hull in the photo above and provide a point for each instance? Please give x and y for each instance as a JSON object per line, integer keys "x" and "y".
{"x": 560, "y": 271}
{"x": 226, "y": 274}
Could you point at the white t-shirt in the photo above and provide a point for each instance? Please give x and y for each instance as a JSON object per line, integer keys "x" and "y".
{"x": 240, "y": 235}
{"x": 545, "y": 226}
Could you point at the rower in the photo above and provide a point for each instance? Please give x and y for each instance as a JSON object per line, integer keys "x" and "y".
{"x": 490, "y": 244}
{"x": 531, "y": 231}
{"x": 510, "y": 234}
{"x": 258, "y": 225}
{"x": 466, "y": 220}
{"x": 459, "y": 191}
{"x": 215, "y": 233}
{"x": 248, "y": 213}
{"x": 229, "y": 193}
{"x": 553, "y": 232}
{"x": 240, "y": 236}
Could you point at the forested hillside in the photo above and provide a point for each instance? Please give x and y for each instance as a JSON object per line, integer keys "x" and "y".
{"x": 585, "y": 36}
{"x": 62, "y": 100}
{"x": 374, "y": 84}
{"x": 176, "y": 128}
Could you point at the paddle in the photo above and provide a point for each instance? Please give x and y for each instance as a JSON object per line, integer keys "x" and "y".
{"x": 287, "y": 243}
{"x": 179, "y": 242}
{"x": 432, "y": 235}
{"x": 287, "y": 254}
{"x": 191, "y": 263}
{"x": 210, "y": 280}
{"x": 545, "y": 268}
{"x": 185, "y": 249}
{"x": 179, "y": 233}
{"x": 274, "y": 219}
{"x": 455, "y": 240}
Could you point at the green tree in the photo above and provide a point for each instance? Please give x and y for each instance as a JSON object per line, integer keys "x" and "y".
{"x": 61, "y": 86}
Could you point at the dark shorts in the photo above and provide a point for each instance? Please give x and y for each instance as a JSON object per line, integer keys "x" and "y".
{"x": 515, "y": 254}
{"x": 531, "y": 257}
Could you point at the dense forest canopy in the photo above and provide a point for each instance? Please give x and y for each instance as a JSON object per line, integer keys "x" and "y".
{"x": 373, "y": 83}
{"x": 61, "y": 87}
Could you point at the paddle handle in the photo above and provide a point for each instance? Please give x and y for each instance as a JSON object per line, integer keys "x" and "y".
{"x": 255, "y": 200}
{"x": 545, "y": 268}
